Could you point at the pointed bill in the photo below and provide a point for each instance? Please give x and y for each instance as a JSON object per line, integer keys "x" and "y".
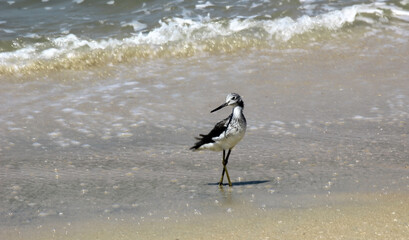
{"x": 219, "y": 107}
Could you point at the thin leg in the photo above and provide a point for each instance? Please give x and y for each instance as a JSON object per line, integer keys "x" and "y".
{"x": 224, "y": 169}
{"x": 228, "y": 177}
{"x": 227, "y": 158}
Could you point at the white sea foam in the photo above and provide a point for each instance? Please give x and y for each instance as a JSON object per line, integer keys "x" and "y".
{"x": 188, "y": 32}
{"x": 75, "y": 143}
{"x": 204, "y": 5}
{"x": 130, "y": 83}
{"x": 54, "y": 134}
{"x": 68, "y": 110}
{"x": 137, "y": 26}
{"x": 124, "y": 135}
{"x": 50, "y": 53}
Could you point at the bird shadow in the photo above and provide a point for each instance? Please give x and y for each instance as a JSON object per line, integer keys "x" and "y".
{"x": 241, "y": 183}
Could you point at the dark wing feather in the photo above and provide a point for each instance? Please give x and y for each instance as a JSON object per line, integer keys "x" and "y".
{"x": 216, "y": 131}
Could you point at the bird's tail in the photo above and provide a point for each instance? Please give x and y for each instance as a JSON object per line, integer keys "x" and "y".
{"x": 199, "y": 143}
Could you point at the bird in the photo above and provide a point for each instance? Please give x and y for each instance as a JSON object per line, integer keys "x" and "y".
{"x": 226, "y": 133}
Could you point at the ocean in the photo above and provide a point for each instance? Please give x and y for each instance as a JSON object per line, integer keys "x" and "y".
{"x": 101, "y": 100}
{"x": 39, "y": 36}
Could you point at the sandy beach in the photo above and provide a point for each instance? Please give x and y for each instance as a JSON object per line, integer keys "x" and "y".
{"x": 340, "y": 216}
{"x": 98, "y": 115}
{"x": 332, "y": 167}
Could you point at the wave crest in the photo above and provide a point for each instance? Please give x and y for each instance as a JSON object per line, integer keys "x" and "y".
{"x": 185, "y": 37}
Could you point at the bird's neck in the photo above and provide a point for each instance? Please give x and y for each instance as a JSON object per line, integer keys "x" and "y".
{"x": 237, "y": 111}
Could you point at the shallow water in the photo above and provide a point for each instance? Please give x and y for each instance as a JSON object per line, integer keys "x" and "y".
{"x": 101, "y": 132}
{"x": 114, "y": 143}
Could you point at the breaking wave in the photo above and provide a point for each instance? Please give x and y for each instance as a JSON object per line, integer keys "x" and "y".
{"x": 178, "y": 37}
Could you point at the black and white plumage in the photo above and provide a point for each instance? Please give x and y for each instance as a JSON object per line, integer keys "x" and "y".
{"x": 226, "y": 133}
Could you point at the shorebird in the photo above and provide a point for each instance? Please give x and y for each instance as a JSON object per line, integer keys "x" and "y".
{"x": 226, "y": 133}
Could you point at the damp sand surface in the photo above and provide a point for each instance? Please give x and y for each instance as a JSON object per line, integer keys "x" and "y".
{"x": 103, "y": 152}
{"x": 339, "y": 216}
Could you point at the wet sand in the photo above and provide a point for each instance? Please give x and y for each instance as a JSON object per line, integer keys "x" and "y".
{"x": 340, "y": 216}
{"x": 104, "y": 154}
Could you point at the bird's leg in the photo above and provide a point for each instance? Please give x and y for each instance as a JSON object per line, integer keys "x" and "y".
{"x": 224, "y": 168}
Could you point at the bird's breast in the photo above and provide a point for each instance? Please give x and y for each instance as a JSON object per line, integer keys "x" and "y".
{"x": 231, "y": 136}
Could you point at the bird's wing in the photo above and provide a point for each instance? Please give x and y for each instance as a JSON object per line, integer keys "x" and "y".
{"x": 218, "y": 129}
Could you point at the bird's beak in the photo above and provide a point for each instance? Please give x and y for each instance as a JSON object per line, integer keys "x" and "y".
{"x": 219, "y": 107}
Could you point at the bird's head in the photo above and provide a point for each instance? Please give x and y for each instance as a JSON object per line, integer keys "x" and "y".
{"x": 232, "y": 99}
